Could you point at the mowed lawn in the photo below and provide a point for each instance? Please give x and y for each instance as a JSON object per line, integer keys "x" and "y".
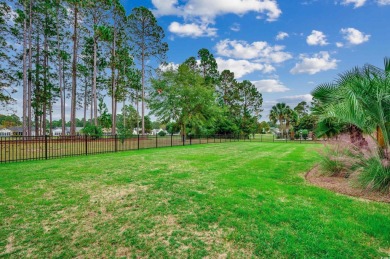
{"x": 229, "y": 200}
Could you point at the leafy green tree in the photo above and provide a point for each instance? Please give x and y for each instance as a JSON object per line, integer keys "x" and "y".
{"x": 308, "y": 121}
{"x": 251, "y": 106}
{"x": 172, "y": 128}
{"x": 147, "y": 37}
{"x": 9, "y": 120}
{"x": 148, "y": 124}
{"x": 263, "y": 127}
{"x": 302, "y": 109}
{"x": 228, "y": 91}
{"x": 156, "y": 125}
{"x": 93, "y": 131}
{"x": 208, "y": 66}
{"x": 104, "y": 118}
{"x": 192, "y": 64}
{"x": 128, "y": 120}
{"x": 181, "y": 96}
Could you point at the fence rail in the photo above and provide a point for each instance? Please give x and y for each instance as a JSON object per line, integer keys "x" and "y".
{"x": 23, "y": 148}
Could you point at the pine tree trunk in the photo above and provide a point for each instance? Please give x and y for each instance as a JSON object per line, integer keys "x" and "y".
{"x": 46, "y": 93}
{"x": 29, "y": 82}
{"x": 60, "y": 72}
{"x": 25, "y": 97}
{"x": 37, "y": 90}
{"x": 143, "y": 93}
{"x": 143, "y": 78}
{"x": 113, "y": 100}
{"x": 63, "y": 122}
{"x": 137, "y": 103}
{"x": 51, "y": 119}
{"x": 85, "y": 101}
{"x": 74, "y": 74}
{"x": 124, "y": 113}
{"x": 94, "y": 79}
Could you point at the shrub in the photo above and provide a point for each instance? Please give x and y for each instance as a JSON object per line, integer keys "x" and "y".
{"x": 162, "y": 133}
{"x": 340, "y": 159}
{"x": 305, "y": 134}
{"x": 123, "y": 134}
{"x": 375, "y": 174}
{"x": 93, "y": 131}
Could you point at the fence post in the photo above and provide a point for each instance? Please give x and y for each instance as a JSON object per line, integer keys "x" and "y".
{"x": 171, "y": 140}
{"x": 273, "y": 138}
{"x": 184, "y": 140}
{"x": 46, "y": 147}
{"x": 86, "y": 145}
{"x": 138, "y": 141}
{"x": 116, "y": 142}
{"x": 190, "y": 139}
{"x": 156, "y": 141}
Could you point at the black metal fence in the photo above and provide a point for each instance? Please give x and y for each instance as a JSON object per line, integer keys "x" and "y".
{"x": 22, "y": 148}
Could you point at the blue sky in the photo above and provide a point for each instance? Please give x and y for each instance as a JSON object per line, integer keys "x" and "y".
{"x": 284, "y": 47}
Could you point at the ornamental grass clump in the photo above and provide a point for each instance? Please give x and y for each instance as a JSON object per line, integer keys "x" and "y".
{"x": 375, "y": 174}
{"x": 340, "y": 158}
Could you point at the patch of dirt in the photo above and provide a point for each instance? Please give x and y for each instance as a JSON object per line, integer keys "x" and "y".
{"x": 123, "y": 252}
{"x": 343, "y": 185}
{"x": 10, "y": 245}
{"x": 115, "y": 193}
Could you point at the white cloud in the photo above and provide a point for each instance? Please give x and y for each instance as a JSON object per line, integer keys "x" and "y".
{"x": 168, "y": 66}
{"x": 235, "y": 27}
{"x": 316, "y": 38}
{"x": 270, "y": 86}
{"x": 295, "y": 99}
{"x": 339, "y": 44}
{"x": 260, "y": 50}
{"x": 384, "y": 2}
{"x": 356, "y": 3}
{"x": 241, "y": 67}
{"x": 354, "y": 36}
{"x": 192, "y": 30}
{"x": 315, "y": 64}
{"x": 281, "y": 35}
{"x": 207, "y": 10}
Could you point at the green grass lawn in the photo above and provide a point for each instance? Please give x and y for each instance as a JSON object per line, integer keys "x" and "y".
{"x": 235, "y": 200}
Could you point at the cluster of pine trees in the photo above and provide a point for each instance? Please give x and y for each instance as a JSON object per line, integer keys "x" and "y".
{"x": 75, "y": 52}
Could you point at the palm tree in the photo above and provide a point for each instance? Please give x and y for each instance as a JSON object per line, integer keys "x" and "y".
{"x": 361, "y": 98}
{"x": 278, "y": 113}
{"x": 291, "y": 118}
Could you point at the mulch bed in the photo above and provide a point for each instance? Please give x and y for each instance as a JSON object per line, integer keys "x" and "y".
{"x": 344, "y": 186}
